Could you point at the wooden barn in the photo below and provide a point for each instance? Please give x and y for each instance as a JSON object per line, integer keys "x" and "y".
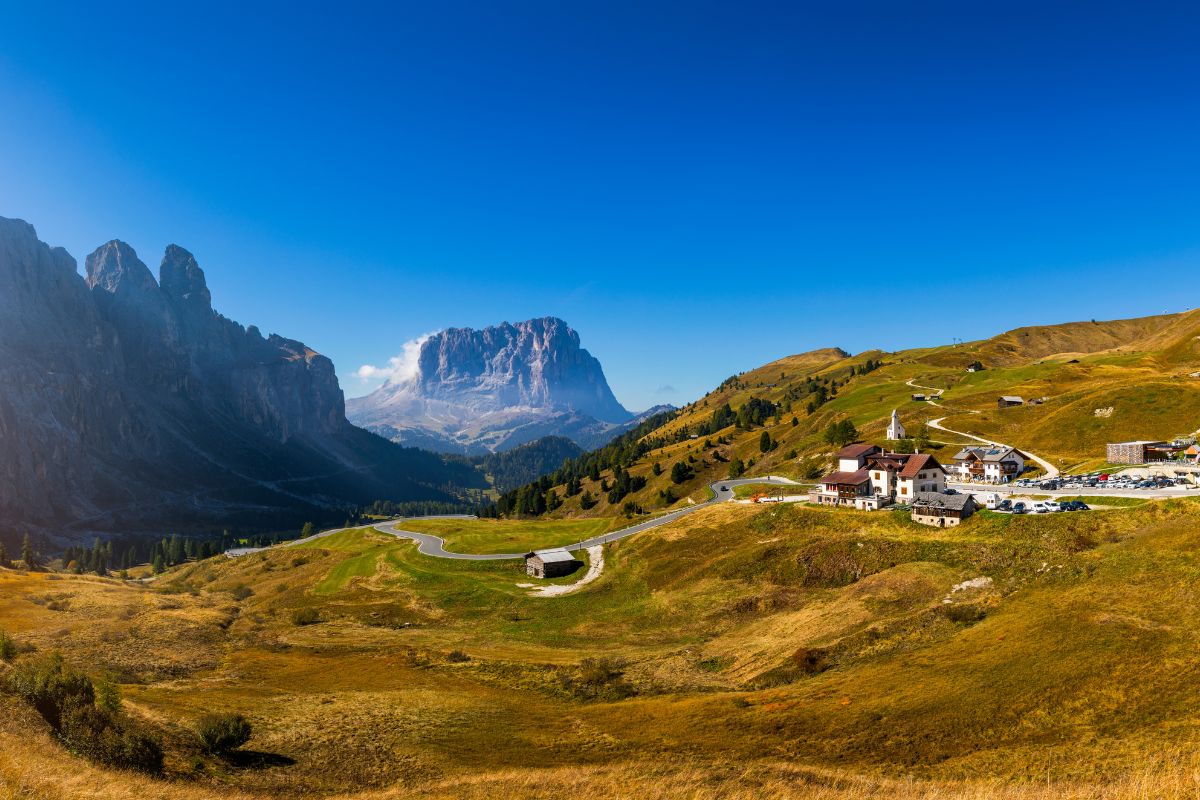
{"x": 550, "y": 563}
{"x": 942, "y": 510}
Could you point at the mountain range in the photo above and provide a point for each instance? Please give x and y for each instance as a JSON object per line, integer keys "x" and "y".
{"x": 128, "y": 403}
{"x": 479, "y": 391}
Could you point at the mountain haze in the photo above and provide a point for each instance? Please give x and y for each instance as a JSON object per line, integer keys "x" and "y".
{"x": 477, "y": 391}
{"x": 128, "y": 403}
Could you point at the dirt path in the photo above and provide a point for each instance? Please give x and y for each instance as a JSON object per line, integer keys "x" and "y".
{"x": 1051, "y": 470}
{"x": 595, "y": 567}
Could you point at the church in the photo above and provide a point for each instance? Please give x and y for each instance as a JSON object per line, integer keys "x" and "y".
{"x": 895, "y": 430}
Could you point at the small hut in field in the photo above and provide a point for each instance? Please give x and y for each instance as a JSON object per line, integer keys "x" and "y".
{"x": 550, "y": 563}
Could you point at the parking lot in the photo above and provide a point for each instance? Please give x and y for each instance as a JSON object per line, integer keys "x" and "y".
{"x": 1093, "y": 484}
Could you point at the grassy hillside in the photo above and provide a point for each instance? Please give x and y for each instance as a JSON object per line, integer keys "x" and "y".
{"x": 794, "y": 647}
{"x": 1103, "y": 382}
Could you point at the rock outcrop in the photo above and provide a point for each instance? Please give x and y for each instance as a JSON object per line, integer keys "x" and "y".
{"x": 128, "y": 404}
{"x": 476, "y": 391}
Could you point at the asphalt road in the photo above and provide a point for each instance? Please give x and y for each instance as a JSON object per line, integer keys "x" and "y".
{"x": 434, "y": 546}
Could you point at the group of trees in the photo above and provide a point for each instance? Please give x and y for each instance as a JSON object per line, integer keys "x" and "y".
{"x": 29, "y": 556}
{"x": 870, "y": 365}
{"x": 754, "y": 412}
{"x": 841, "y": 433}
{"x": 534, "y": 499}
{"x": 522, "y": 465}
{"x": 682, "y": 472}
{"x": 624, "y": 484}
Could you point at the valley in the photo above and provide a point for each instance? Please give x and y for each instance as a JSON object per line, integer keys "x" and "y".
{"x": 724, "y": 645}
{"x": 599, "y": 401}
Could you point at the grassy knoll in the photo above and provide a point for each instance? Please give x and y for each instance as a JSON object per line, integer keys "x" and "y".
{"x": 781, "y": 651}
{"x": 512, "y": 535}
{"x": 751, "y": 489}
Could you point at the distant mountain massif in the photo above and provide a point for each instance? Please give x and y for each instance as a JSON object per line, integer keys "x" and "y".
{"x": 490, "y": 390}
{"x": 129, "y": 404}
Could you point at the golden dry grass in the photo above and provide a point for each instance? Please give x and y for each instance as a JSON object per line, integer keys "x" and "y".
{"x": 1076, "y": 674}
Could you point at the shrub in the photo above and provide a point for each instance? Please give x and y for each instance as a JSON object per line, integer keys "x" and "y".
{"x": 306, "y": 616}
{"x": 241, "y": 592}
{"x": 600, "y": 679}
{"x": 66, "y": 699}
{"x": 457, "y": 657}
{"x": 811, "y": 660}
{"x": 8, "y": 648}
{"x": 50, "y": 686}
{"x": 108, "y": 738}
{"x": 965, "y": 613}
{"x": 222, "y": 733}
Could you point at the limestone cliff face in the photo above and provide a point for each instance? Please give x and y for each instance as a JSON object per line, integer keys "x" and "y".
{"x": 496, "y": 388}
{"x": 128, "y": 403}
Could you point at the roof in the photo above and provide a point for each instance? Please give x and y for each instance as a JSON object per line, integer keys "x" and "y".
{"x": 955, "y": 502}
{"x": 1140, "y": 441}
{"x": 856, "y": 450}
{"x": 849, "y": 478}
{"x": 906, "y": 464}
{"x": 1011, "y": 398}
{"x": 994, "y": 454}
{"x": 918, "y": 462}
{"x": 548, "y": 556}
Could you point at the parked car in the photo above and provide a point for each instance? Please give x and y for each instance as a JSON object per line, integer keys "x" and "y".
{"x": 1004, "y": 505}
{"x": 1019, "y": 508}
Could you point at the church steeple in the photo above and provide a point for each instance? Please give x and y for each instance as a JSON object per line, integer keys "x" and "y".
{"x": 895, "y": 430}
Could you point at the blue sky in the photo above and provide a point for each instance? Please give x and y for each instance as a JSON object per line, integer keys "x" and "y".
{"x": 697, "y": 187}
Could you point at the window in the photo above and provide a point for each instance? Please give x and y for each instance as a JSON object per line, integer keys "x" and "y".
{"x": 903, "y": 490}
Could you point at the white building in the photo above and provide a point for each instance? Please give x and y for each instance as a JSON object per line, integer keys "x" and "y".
{"x": 868, "y": 478}
{"x": 895, "y": 430}
{"x": 989, "y": 464}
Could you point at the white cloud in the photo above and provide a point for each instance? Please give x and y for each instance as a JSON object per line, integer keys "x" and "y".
{"x": 398, "y": 368}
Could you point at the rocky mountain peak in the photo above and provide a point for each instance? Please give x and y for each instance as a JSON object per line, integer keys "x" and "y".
{"x": 130, "y": 406}
{"x": 115, "y": 268}
{"x": 182, "y": 279}
{"x": 496, "y": 388}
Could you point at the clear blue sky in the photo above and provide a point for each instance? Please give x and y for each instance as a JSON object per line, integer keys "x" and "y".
{"x": 698, "y": 188}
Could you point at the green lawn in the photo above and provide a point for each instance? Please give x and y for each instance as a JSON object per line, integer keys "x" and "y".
{"x": 512, "y": 535}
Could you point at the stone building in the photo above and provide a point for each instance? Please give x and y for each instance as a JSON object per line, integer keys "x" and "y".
{"x": 550, "y": 563}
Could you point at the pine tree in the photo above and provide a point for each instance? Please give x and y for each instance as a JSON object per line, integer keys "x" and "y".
{"x": 764, "y": 442}
{"x": 308, "y": 530}
{"x": 4, "y": 561}
{"x": 159, "y": 565}
{"x": 923, "y": 440}
{"x": 27, "y": 555}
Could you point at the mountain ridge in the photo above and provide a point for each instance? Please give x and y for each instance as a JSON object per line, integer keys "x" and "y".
{"x": 475, "y": 391}
{"x": 129, "y": 403}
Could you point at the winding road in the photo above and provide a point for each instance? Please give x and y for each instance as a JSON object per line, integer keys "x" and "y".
{"x": 430, "y": 545}
{"x": 434, "y": 546}
{"x": 936, "y": 424}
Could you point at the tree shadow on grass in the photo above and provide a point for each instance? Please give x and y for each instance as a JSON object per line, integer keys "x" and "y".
{"x": 253, "y": 759}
